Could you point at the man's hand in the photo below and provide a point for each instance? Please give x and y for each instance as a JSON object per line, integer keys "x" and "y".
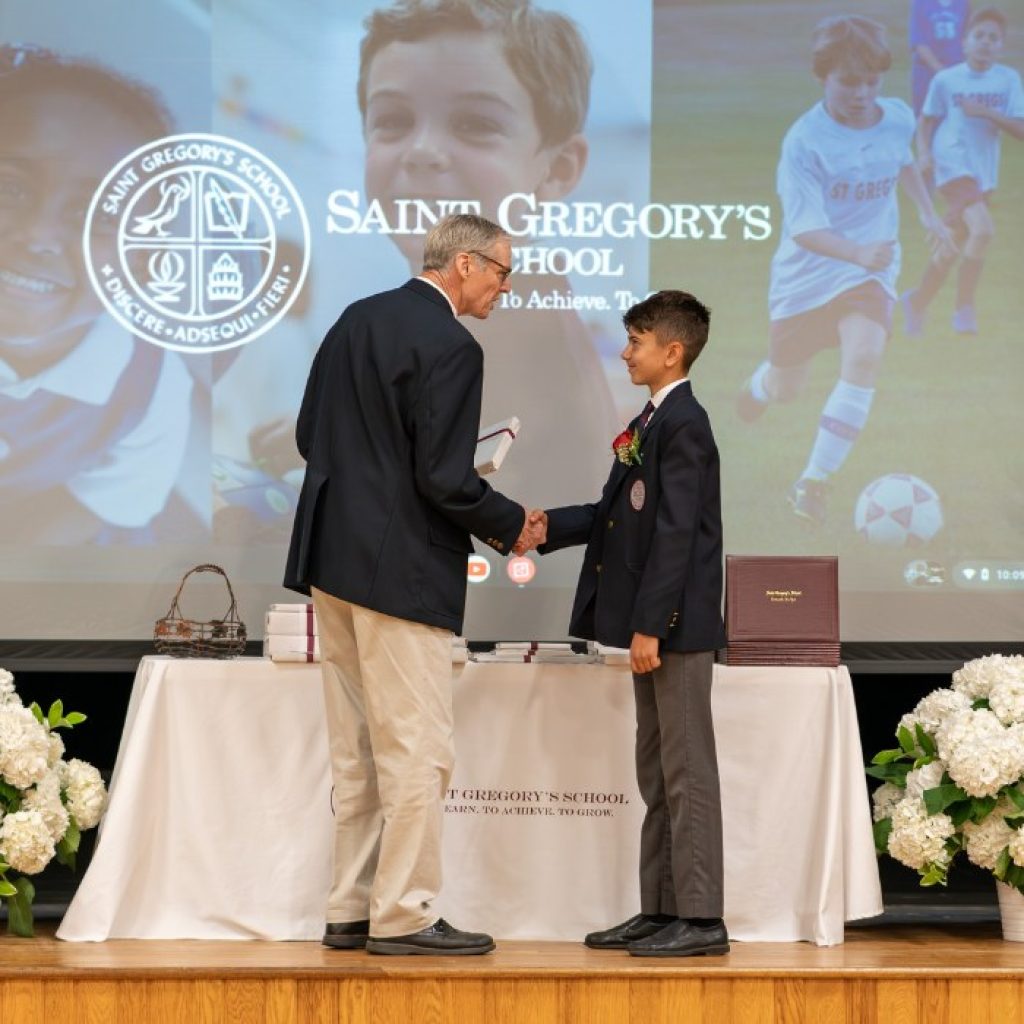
{"x": 643, "y": 654}
{"x": 534, "y": 533}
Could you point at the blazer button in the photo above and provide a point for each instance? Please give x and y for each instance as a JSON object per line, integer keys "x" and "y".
{"x": 500, "y": 546}
{"x": 597, "y": 568}
{"x": 611, "y": 523}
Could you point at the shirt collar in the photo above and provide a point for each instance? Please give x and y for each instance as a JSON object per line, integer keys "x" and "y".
{"x": 88, "y": 373}
{"x": 434, "y": 284}
{"x": 660, "y": 395}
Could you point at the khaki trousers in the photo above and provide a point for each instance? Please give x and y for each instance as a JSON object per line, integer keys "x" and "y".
{"x": 388, "y": 696}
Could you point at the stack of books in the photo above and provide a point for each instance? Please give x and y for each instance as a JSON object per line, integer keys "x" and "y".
{"x": 782, "y": 610}
{"x": 290, "y": 633}
{"x": 611, "y": 655}
{"x": 534, "y": 651}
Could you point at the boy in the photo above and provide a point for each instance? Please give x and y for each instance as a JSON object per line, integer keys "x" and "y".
{"x": 936, "y": 34}
{"x": 93, "y": 423}
{"x": 967, "y": 108}
{"x": 652, "y": 581}
{"x": 833, "y": 278}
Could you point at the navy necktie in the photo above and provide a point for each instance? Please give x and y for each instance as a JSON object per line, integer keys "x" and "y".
{"x": 644, "y": 417}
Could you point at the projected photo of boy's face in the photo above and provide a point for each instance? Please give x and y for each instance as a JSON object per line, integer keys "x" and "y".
{"x": 446, "y": 118}
{"x": 850, "y": 94}
{"x": 55, "y": 147}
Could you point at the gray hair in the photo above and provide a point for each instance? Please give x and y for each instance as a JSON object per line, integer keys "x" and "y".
{"x": 459, "y": 232}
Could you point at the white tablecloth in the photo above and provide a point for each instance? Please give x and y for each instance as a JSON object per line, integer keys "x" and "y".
{"x": 219, "y": 820}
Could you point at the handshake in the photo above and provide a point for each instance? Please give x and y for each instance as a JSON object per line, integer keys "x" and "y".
{"x": 534, "y": 532}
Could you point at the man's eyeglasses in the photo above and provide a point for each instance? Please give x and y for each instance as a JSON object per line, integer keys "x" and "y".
{"x": 503, "y": 271}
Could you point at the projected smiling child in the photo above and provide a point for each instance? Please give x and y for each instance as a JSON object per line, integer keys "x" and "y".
{"x": 93, "y": 424}
{"x": 475, "y": 100}
{"x": 968, "y": 108}
{"x": 470, "y": 100}
{"x": 833, "y": 277}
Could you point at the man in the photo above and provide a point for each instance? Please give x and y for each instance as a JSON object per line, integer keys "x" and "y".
{"x": 652, "y": 581}
{"x": 388, "y": 428}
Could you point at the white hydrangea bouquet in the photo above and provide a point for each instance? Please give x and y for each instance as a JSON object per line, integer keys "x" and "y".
{"x": 45, "y": 801}
{"x": 956, "y": 781}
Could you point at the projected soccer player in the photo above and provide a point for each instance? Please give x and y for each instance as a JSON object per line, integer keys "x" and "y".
{"x": 968, "y": 108}
{"x": 936, "y": 30}
{"x": 93, "y": 424}
{"x": 833, "y": 277}
{"x": 474, "y": 100}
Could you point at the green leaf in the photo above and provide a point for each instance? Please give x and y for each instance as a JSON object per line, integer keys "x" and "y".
{"x": 922, "y": 761}
{"x": 959, "y": 813}
{"x": 74, "y": 718}
{"x": 1015, "y": 877}
{"x": 938, "y": 799}
{"x": 896, "y": 773}
{"x": 885, "y": 756}
{"x": 56, "y": 713}
{"x": 69, "y": 843}
{"x": 982, "y": 807}
{"x": 37, "y": 711}
{"x": 65, "y": 855}
{"x": 1016, "y": 796}
{"x": 881, "y": 830}
{"x": 935, "y": 874}
{"x": 980, "y": 704}
{"x": 906, "y": 738}
{"x": 1015, "y": 821}
{"x": 6, "y": 889}
{"x": 1002, "y": 865}
{"x": 10, "y": 796}
{"x": 924, "y": 741}
{"x": 19, "y": 909}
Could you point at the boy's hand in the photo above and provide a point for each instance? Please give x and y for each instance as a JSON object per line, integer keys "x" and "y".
{"x": 534, "y": 532}
{"x": 875, "y": 255}
{"x": 643, "y": 654}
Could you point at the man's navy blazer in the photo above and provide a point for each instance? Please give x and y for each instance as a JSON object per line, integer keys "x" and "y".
{"x": 653, "y": 562}
{"x": 388, "y": 429}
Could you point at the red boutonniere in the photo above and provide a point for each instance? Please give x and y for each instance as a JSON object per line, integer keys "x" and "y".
{"x": 627, "y": 447}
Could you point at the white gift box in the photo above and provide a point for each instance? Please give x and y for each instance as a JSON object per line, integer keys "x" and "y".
{"x": 290, "y": 624}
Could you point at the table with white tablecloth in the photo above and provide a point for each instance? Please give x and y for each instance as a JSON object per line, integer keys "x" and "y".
{"x": 219, "y": 824}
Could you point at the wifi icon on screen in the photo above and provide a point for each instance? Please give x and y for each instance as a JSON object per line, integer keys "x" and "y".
{"x": 969, "y": 574}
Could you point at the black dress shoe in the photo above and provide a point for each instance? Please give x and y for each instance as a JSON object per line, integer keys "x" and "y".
{"x": 683, "y": 938}
{"x": 637, "y": 927}
{"x": 440, "y": 939}
{"x": 347, "y": 935}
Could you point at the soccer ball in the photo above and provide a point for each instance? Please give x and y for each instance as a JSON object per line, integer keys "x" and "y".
{"x": 898, "y": 510}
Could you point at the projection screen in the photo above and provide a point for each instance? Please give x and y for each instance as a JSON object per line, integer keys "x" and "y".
{"x": 191, "y": 191}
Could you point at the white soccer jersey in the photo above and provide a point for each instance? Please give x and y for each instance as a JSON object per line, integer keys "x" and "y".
{"x": 969, "y": 146}
{"x": 835, "y": 178}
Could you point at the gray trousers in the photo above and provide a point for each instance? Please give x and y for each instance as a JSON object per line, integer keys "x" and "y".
{"x": 677, "y": 773}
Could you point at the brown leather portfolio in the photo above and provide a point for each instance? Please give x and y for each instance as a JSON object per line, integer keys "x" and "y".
{"x": 782, "y": 609}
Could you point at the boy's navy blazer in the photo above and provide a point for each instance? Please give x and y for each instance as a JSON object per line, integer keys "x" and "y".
{"x": 656, "y": 569}
{"x": 388, "y": 429}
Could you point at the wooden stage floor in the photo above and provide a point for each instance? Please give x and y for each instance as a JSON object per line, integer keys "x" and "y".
{"x": 888, "y": 975}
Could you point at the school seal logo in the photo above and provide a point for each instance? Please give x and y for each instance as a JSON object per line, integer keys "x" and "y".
{"x": 182, "y": 243}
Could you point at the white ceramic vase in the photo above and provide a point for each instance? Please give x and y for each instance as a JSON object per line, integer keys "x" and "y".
{"x": 1011, "y": 910}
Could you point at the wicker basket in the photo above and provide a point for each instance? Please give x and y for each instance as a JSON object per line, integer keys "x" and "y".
{"x": 189, "y": 638}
